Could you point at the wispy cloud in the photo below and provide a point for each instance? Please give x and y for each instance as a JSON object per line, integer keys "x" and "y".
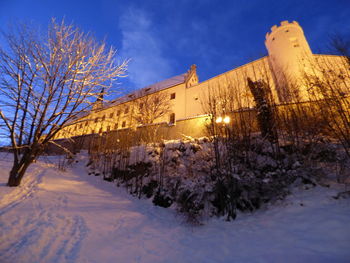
{"x": 144, "y": 47}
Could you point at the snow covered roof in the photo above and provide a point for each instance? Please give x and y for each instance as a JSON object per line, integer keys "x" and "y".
{"x": 164, "y": 84}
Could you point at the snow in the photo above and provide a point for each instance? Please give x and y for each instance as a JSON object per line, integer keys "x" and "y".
{"x": 72, "y": 217}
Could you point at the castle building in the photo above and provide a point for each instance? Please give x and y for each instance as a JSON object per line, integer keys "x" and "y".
{"x": 183, "y": 99}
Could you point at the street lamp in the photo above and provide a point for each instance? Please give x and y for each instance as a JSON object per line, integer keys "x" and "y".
{"x": 227, "y": 119}
{"x": 218, "y": 120}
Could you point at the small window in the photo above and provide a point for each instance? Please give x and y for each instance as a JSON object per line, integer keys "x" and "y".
{"x": 96, "y": 119}
{"x": 118, "y": 112}
{"x": 86, "y": 123}
{"x": 141, "y": 105}
{"x": 103, "y": 117}
{"x": 123, "y": 124}
{"x": 172, "y": 96}
{"x": 92, "y": 131}
{"x": 111, "y": 115}
{"x": 116, "y": 126}
{"x": 100, "y": 130}
{"x": 273, "y": 39}
{"x": 108, "y": 128}
{"x": 126, "y": 110}
{"x": 287, "y": 31}
{"x": 80, "y": 126}
{"x": 172, "y": 118}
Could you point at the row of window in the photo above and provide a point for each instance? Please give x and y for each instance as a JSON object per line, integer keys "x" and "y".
{"x": 111, "y": 115}
{"x": 117, "y": 113}
{"x": 109, "y": 127}
{"x": 126, "y": 111}
{"x": 80, "y": 126}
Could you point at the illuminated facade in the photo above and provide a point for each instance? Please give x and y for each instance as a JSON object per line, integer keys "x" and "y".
{"x": 289, "y": 58}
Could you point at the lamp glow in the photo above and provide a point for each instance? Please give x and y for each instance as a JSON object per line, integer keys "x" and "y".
{"x": 219, "y": 120}
{"x": 227, "y": 119}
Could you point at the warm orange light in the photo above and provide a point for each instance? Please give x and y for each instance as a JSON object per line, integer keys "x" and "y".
{"x": 227, "y": 119}
{"x": 219, "y": 120}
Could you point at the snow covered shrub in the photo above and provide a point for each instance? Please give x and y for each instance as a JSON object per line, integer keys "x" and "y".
{"x": 162, "y": 199}
{"x": 192, "y": 197}
{"x": 149, "y": 189}
{"x": 184, "y": 175}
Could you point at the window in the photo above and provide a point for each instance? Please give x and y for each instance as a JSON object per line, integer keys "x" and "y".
{"x": 118, "y": 112}
{"x": 126, "y": 110}
{"x": 80, "y": 126}
{"x": 172, "y": 118}
{"x": 100, "y": 130}
{"x": 111, "y": 115}
{"x": 141, "y": 105}
{"x": 86, "y": 123}
{"x": 108, "y": 128}
{"x": 123, "y": 124}
{"x": 92, "y": 131}
{"x": 172, "y": 96}
{"x": 103, "y": 117}
{"x": 116, "y": 126}
{"x": 294, "y": 41}
{"x": 96, "y": 119}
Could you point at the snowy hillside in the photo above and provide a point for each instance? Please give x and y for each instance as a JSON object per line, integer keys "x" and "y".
{"x": 72, "y": 217}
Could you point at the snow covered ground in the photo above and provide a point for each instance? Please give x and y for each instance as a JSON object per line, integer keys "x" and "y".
{"x": 72, "y": 217}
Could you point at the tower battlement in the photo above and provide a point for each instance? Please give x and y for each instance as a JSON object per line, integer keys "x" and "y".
{"x": 282, "y": 25}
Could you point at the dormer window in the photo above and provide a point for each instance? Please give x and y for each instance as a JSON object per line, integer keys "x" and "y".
{"x": 172, "y": 96}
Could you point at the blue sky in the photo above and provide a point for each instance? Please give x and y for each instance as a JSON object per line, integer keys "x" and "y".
{"x": 164, "y": 37}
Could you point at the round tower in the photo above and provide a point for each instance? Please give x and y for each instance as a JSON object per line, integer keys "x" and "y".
{"x": 290, "y": 57}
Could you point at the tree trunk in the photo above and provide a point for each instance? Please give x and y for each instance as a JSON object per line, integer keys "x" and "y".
{"x": 18, "y": 170}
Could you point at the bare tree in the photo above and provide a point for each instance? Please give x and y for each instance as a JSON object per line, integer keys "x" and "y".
{"x": 147, "y": 110}
{"x": 341, "y": 46}
{"x": 47, "y": 82}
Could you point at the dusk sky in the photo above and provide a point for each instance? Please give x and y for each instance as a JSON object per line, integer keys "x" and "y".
{"x": 163, "y": 38}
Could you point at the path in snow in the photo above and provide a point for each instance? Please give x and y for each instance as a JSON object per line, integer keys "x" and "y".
{"x": 72, "y": 217}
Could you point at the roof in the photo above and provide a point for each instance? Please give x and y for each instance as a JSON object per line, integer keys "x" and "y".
{"x": 162, "y": 85}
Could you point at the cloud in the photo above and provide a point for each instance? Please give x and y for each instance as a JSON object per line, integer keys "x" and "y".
{"x": 143, "y": 46}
